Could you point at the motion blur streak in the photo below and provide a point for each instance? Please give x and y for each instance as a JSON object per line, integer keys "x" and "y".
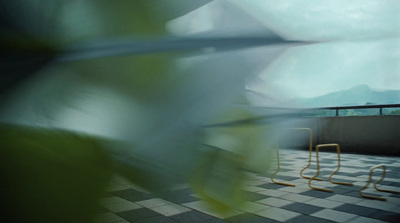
{"x": 77, "y": 108}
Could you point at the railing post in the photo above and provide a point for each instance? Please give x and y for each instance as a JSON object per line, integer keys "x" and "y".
{"x": 380, "y": 111}
{"x": 337, "y": 111}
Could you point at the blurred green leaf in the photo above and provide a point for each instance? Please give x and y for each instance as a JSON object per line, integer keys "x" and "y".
{"x": 50, "y": 176}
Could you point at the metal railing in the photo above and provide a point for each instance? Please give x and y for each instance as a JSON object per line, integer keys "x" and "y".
{"x": 280, "y": 113}
{"x": 338, "y": 108}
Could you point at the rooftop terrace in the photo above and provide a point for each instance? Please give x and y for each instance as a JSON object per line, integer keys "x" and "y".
{"x": 269, "y": 202}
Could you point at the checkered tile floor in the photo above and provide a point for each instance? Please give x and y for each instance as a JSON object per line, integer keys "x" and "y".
{"x": 269, "y": 202}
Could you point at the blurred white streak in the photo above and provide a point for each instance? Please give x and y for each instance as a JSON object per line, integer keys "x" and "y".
{"x": 218, "y": 18}
{"x": 321, "y": 20}
{"x": 155, "y": 117}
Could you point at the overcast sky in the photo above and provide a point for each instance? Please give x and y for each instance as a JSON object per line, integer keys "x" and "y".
{"x": 360, "y": 41}
{"x": 363, "y": 44}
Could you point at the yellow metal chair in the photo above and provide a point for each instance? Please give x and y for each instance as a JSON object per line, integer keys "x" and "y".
{"x": 369, "y": 181}
{"x": 301, "y": 172}
{"x": 309, "y": 157}
{"x": 330, "y": 177}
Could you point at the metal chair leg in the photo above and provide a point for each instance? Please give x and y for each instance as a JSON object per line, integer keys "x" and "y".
{"x": 277, "y": 170}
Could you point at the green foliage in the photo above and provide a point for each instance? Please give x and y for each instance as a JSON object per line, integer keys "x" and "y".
{"x": 50, "y": 176}
{"x": 395, "y": 112}
{"x": 218, "y": 180}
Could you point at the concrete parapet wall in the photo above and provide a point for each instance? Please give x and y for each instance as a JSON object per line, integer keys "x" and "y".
{"x": 360, "y": 134}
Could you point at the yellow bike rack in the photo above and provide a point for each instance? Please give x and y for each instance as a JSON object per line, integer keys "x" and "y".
{"x": 330, "y": 177}
{"x": 277, "y": 170}
{"x": 369, "y": 181}
{"x": 309, "y": 157}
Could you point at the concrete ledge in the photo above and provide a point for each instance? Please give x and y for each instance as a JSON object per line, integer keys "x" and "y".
{"x": 359, "y": 134}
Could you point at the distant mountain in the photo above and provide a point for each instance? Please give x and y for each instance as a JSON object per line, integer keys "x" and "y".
{"x": 359, "y": 95}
